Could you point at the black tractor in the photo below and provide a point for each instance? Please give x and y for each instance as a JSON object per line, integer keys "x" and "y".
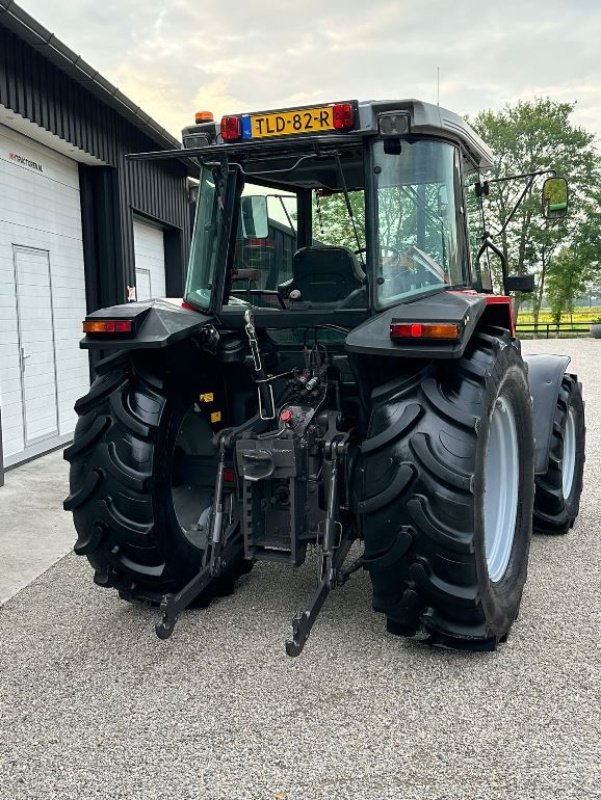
{"x": 339, "y": 371}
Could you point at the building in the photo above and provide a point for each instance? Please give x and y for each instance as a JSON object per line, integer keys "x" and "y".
{"x": 78, "y": 224}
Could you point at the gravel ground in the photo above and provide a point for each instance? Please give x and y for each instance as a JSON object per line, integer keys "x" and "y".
{"x": 94, "y": 706}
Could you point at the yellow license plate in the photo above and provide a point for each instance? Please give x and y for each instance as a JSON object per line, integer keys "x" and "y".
{"x": 289, "y": 123}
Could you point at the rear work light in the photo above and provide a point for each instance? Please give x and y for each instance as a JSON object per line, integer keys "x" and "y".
{"x": 450, "y": 331}
{"x": 394, "y": 123}
{"x": 231, "y": 129}
{"x": 342, "y": 116}
{"x": 107, "y": 326}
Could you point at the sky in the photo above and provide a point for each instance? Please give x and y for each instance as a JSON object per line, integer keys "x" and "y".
{"x": 175, "y": 58}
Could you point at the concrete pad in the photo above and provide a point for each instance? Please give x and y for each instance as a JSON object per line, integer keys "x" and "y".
{"x": 35, "y": 532}
{"x": 94, "y": 706}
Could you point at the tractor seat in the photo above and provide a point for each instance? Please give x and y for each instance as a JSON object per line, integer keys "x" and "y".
{"x": 323, "y": 275}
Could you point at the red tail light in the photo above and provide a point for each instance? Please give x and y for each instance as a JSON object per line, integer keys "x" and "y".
{"x": 229, "y": 475}
{"x": 342, "y": 116}
{"x": 107, "y": 326}
{"x": 231, "y": 129}
{"x": 425, "y": 330}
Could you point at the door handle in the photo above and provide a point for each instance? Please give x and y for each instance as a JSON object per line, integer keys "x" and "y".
{"x": 23, "y": 356}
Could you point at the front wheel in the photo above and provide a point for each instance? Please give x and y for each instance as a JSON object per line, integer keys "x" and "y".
{"x": 446, "y": 478}
{"x": 558, "y": 491}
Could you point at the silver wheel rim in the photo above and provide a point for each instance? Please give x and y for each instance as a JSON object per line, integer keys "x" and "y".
{"x": 569, "y": 455}
{"x": 501, "y": 485}
{"x": 191, "y": 501}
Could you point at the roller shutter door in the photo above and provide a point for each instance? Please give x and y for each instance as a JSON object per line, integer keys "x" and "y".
{"x": 42, "y": 296}
{"x": 149, "y": 250}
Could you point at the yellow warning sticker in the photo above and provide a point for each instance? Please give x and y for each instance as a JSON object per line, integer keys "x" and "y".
{"x": 215, "y": 416}
{"x": 207, "y": 397}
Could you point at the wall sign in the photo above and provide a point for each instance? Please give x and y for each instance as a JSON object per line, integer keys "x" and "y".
{"x": 25, "y": 162}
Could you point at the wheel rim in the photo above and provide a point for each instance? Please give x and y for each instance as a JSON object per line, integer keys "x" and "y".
{"x": 501, "y": 488}
{"x": 569, "y": 454}
{"x": 193, "y": 477}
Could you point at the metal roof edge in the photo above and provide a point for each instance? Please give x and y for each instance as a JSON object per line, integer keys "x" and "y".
{"x": 30, "y": 30}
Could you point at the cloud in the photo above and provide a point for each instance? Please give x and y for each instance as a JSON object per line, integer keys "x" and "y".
{"x": 173, "y": 58}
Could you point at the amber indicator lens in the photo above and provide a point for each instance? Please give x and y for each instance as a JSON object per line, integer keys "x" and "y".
{"x": 425, "y": 330}
{"x": 107, "y": 326}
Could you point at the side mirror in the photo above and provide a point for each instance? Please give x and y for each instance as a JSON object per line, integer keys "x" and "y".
{"x": 511, "y": 283}
{"x": 483, "y": 276}
{"x": 253, "y": 214}
{"x": 555, "y": 198}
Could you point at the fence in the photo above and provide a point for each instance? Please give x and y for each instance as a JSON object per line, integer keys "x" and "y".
{"x": 547, "y": 330}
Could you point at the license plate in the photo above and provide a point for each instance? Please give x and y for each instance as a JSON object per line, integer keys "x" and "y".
{"x": 288, "y": 123}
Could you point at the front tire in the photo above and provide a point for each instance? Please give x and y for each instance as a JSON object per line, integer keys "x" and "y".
{"x": 132, "y": 507}
{"x": 449, "y": 453}
{"x": 557, "y": 499}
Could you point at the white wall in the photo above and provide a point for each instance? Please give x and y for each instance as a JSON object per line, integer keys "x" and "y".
{"x": 40, "y": 209}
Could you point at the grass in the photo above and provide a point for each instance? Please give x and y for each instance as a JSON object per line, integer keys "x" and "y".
{"x": 581, "y": 315}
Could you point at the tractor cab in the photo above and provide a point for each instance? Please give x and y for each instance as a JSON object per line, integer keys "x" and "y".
{"x": 347, "y": 208}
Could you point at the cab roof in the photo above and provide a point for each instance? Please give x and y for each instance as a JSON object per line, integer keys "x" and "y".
{"x": 205, "y": 138}
{"x": 425, "y": 118}
{"x": 432, "y": 119}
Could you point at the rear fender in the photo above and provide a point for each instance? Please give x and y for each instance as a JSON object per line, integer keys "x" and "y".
{"x": 545, "y": 373}
{"x": 155, "y": 323}
{"x": 466, "y": 308}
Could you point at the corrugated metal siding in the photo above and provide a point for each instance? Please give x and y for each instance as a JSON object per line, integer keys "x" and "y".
{"x": 39, "y": 91}
{"x": 43, "y": 94}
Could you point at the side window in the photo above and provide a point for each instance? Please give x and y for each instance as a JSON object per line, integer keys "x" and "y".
{"x": 262, "y": 264}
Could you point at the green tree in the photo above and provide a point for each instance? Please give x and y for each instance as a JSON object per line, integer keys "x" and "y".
{"x": 566, "y": 279}
{"x": 526, "y": 137}
{"x": 332, "y": 223}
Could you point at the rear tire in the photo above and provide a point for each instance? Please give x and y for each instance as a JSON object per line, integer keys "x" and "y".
{"x": 124, "y": 460}
{"x": 557, "y": 499}
{"x": 435, "y": 566}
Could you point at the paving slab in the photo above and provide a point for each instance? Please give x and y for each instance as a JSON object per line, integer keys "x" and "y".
{"x": 35, "y": 532}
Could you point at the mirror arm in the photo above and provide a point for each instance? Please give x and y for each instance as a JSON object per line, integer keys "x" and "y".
{"x": 483, "y": 189}
{"x": 488, "y": 244}
{"x": 518, "y": 203}
{"x": 522, "y": 175}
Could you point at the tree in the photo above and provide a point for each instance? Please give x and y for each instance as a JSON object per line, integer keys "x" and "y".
{"x": 332, "y": 223}
{"x": 578, "y": 267}
{"x": 526, "y": 137}
{"x": 565, "y": 281}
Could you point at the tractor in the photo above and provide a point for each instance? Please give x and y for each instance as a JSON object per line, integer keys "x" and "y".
{"x": 339, "y": 378}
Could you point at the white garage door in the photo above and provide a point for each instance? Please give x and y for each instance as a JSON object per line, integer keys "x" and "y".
{"x": 149, "y": 251}
{"x": 42, "y": 297}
